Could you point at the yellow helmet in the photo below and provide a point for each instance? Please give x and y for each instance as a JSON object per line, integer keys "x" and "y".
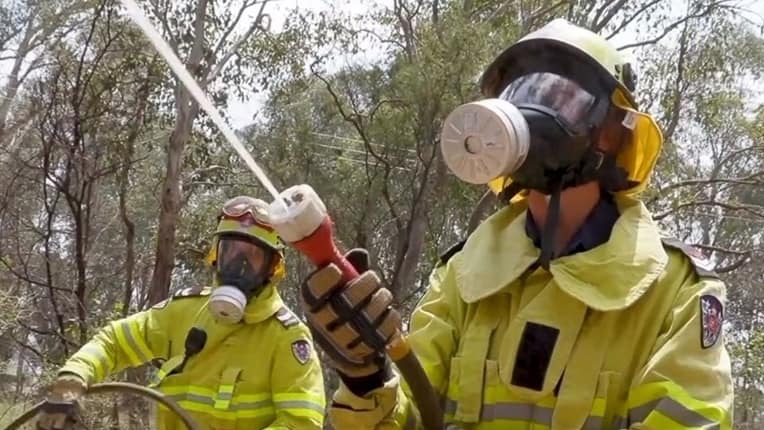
{"x": 247, "y": 216}
{"x": 571, "y": 51}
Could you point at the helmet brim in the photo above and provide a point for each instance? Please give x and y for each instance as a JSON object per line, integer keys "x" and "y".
{"x": 539, "y": 55}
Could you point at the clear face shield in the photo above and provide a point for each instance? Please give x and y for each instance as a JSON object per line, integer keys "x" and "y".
{"x": 241, "y": 261}
{"x": 558, "y": 97}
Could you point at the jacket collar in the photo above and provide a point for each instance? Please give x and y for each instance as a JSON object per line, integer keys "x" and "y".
{"x": 610, "y": 276}
{"x": 267, "y": 303}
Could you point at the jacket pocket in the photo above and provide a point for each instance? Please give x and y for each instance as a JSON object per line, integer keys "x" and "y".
{"x": 502, "y": 405}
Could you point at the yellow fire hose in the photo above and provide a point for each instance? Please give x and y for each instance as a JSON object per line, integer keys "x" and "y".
{"x": 117, "y": 387}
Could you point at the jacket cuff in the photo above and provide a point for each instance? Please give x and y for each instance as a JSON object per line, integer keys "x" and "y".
{"x": 351, "y": 411}
{"x": 76, "y": 371}
{"x": 366, "y": 384}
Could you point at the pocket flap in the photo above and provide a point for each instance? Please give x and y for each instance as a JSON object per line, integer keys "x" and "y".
{"x": 225, "y": 390}
{"x": 538, "y": 343}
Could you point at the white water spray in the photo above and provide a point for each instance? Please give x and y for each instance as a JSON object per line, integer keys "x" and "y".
{"x": 140, "y": 19}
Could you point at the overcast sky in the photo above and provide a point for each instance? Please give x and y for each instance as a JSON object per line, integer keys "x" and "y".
{"x": 242, "y": 111}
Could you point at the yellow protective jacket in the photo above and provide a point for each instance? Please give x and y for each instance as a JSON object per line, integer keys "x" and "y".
{"x": 260, "y": 373}
{"x": 623, "y": 336}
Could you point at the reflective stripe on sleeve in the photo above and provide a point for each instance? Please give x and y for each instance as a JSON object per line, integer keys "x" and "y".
{"x": 666, "y": 405}
{"x": 97, "y": 357}
{"x": 132, "y": 343}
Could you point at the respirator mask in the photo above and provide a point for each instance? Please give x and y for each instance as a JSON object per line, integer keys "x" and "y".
{"x": 540, "y": 133}
{"x": 244, "y": 259}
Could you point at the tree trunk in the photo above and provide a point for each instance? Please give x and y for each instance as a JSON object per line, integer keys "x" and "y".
{"x": 418, "y": 228}
{"x": 187, "y": 110}
{"x": 20, "y": 375}
{"x": 170, "y": 206}
{"x": 124, "y": 182}
{"x": 11, "y": 87}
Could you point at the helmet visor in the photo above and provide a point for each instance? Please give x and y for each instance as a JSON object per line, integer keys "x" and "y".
{"x": 572, "y": 104}
{"x": 241, "y": 257}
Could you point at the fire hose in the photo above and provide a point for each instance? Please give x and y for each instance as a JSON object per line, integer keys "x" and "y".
{"x": 117, "y": 387}
{"x": 304, "y": 221}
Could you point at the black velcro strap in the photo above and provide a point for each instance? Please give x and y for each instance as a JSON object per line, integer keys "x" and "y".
{"x": 533, "y": 355}
{"x": 549, "y": 235}
{"x": 366, "y": 329}
{"x": 365, "y": 384}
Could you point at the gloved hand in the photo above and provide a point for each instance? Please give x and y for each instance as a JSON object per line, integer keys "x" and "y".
{"x": 351, "y": 322}
{"x": 61, "y": 410}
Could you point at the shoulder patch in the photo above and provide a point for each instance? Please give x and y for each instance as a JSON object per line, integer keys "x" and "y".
{"x": 182, "y": 293}
{"x": 702, "y": 264}
{"x": 286, "y": 317}
{"x": 192, "y": 292}
{"x": 712, "y": 316}
{"x": 301, "y": 350}
{"x": 451, "y": 252}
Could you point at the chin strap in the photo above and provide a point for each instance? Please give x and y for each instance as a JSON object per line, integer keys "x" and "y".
{"x": 549, "y": 234}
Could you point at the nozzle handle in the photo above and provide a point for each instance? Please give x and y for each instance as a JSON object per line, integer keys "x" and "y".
{"x": 321, "y": 249}
{"x": 305, "y": 224}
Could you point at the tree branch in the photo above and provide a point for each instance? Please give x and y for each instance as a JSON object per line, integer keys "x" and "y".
{"x": 752, "y": 209}
{"x": 45, "y": 332}
{"x": 732, "y": 267}
{"x": 710, "y": 8}
{"x": 746, "y": 180}
{"x": 599, "y": 24}
{"x": 161, "y": 14}
{"x": 234, "y": 49}
{"x": 722, "y": 250}
{"x": 631, "y": 18}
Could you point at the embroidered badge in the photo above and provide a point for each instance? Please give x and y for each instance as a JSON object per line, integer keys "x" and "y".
{"x": 301, "y": 350}
{"x": 712, "y": 317}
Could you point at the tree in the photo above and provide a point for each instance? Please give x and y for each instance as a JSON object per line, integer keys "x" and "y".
{"x": 205, "y": 60}
{"x": 34, "y": 26}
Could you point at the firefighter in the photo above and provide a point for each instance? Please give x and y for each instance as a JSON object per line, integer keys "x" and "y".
{"x": 566, "y": 309}
{"x": 233, "y": 355}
